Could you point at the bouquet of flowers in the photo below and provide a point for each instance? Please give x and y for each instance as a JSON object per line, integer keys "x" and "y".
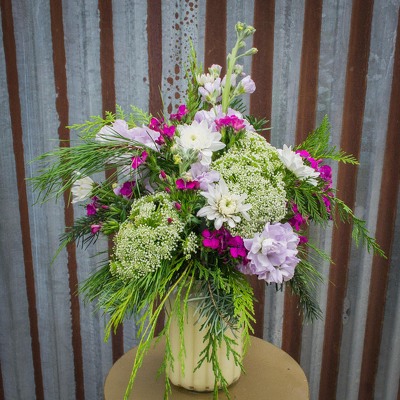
{"x": 198, "y": 200}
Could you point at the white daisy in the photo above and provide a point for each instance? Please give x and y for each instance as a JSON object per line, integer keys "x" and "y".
{"x": 199, "y": 137}
{"x": 223, "y": 206}
{"x": 295, "y": 163}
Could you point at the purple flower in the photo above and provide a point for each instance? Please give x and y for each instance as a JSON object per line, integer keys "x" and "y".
{"x": 182, "y": 111}
{"x": 203, "y": 175}
{"x": 216, "y": 113}
{"x": 272, "y": 253}
{"x": 139, "y": 160}
{"x": 163, "y": 175}
{"x": 178, "y": 206}
{"x": 119, "y": 131}
{"x": 247, "y": 85}
{"x": 183, "y": 185}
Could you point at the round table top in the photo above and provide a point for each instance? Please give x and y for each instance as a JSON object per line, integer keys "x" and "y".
{"x": 271, "y": 374}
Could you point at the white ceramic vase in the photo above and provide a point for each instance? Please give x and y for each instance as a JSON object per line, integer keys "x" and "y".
{"x": 201, "y": 380}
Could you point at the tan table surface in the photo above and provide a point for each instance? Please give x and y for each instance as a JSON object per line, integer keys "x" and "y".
{"x": 271, "y": 374}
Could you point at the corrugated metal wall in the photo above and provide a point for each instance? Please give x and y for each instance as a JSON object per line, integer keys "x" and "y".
{"x": 64, "y": 60}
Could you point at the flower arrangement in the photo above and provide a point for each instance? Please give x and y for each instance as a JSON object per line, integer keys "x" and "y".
{"x": 198, "y": 199}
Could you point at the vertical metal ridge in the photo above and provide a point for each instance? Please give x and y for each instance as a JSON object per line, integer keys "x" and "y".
{"x": 309, "y": 68}
{"x": 215, "y": 33}
{"x": 154, "y": 43}
{"x": 62, "y": 108}
{"x": 262, "y": 64}
{"x": 306, "y": 112}
{"x": 107, "y": 73}
{"x": 1, "y": 385}
{"x": 384, "y": 236}
{"x": 154, "y": 37}
{"x": 261, "y": 107}
{"x": 18, "y": 147}
{"x": 353, "y": 112}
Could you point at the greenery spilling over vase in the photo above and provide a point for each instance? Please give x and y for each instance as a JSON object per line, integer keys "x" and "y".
{"x": 198, "y": 198}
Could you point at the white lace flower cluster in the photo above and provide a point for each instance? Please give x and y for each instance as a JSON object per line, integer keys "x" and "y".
{"x": 252, "y": 167}
{"x": 147, "y": 238}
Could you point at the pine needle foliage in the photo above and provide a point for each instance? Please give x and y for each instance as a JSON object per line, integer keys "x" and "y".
{"x": 224, "y": 302}
{"x": 317, "y": 144}
{"x": 360, "y": 232}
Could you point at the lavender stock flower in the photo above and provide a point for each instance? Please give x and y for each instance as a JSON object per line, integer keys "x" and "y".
{"x": 272, "y": 254}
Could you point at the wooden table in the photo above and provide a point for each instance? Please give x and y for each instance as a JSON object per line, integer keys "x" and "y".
{"x": 271, "y": 374}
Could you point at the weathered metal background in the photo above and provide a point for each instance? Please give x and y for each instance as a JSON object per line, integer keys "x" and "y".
{"x": 63, "y": 60}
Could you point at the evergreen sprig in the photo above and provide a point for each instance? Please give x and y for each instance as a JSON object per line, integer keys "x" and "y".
{"x": 317, "y": 144}
{"x": 58, "y": 168}
{"x": 360, "y": 232}
{"x": 303, "y": 284}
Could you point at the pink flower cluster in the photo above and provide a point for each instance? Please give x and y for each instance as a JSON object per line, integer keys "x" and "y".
{"x": 139, "y": 160}
{"x": 230, "y": 121}
{"x": 190, "y": 185}
{"x": 222, "y": 241}
{"x": 182, "y": 111}
{"x": 325, "y": 173}
{"x": 125, "y": 190}
{"x": 166, "y": 131}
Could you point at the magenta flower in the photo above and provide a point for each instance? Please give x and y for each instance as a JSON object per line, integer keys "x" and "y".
{"x": 182, "y": 111}
{"x": 125, "y": 190}
{"x": 139, "y": 160}
{"x": 91, "y": 209}
{"x": 222, "y": 241}
{"x": 156, "y": 124}
{"x": 95, "y": 228}
{"x": 168, "y": 131}
{"x": 178, "y": 206}
{"x": 210, "y": 240}
{"x": 297, "y": 220}
{"x": 191, "y": 185}
{"x": 325, "y": 172}
{"x": 163, "y": 175}
{"x": 230, "y": 121}
{"x": 303, "y": 239}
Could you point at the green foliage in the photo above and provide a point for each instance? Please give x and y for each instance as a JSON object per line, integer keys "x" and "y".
{"x": 89, "y": 128}
{"x": 317, "y": 144}
{"x": 224, "y": 298}
{"x": 360, "y": 232}
{"x": 92, "y": 126}
{"x": 305, "y": 280}
{"x": 59, "y": 167}
{"x": 193, "y": 99}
